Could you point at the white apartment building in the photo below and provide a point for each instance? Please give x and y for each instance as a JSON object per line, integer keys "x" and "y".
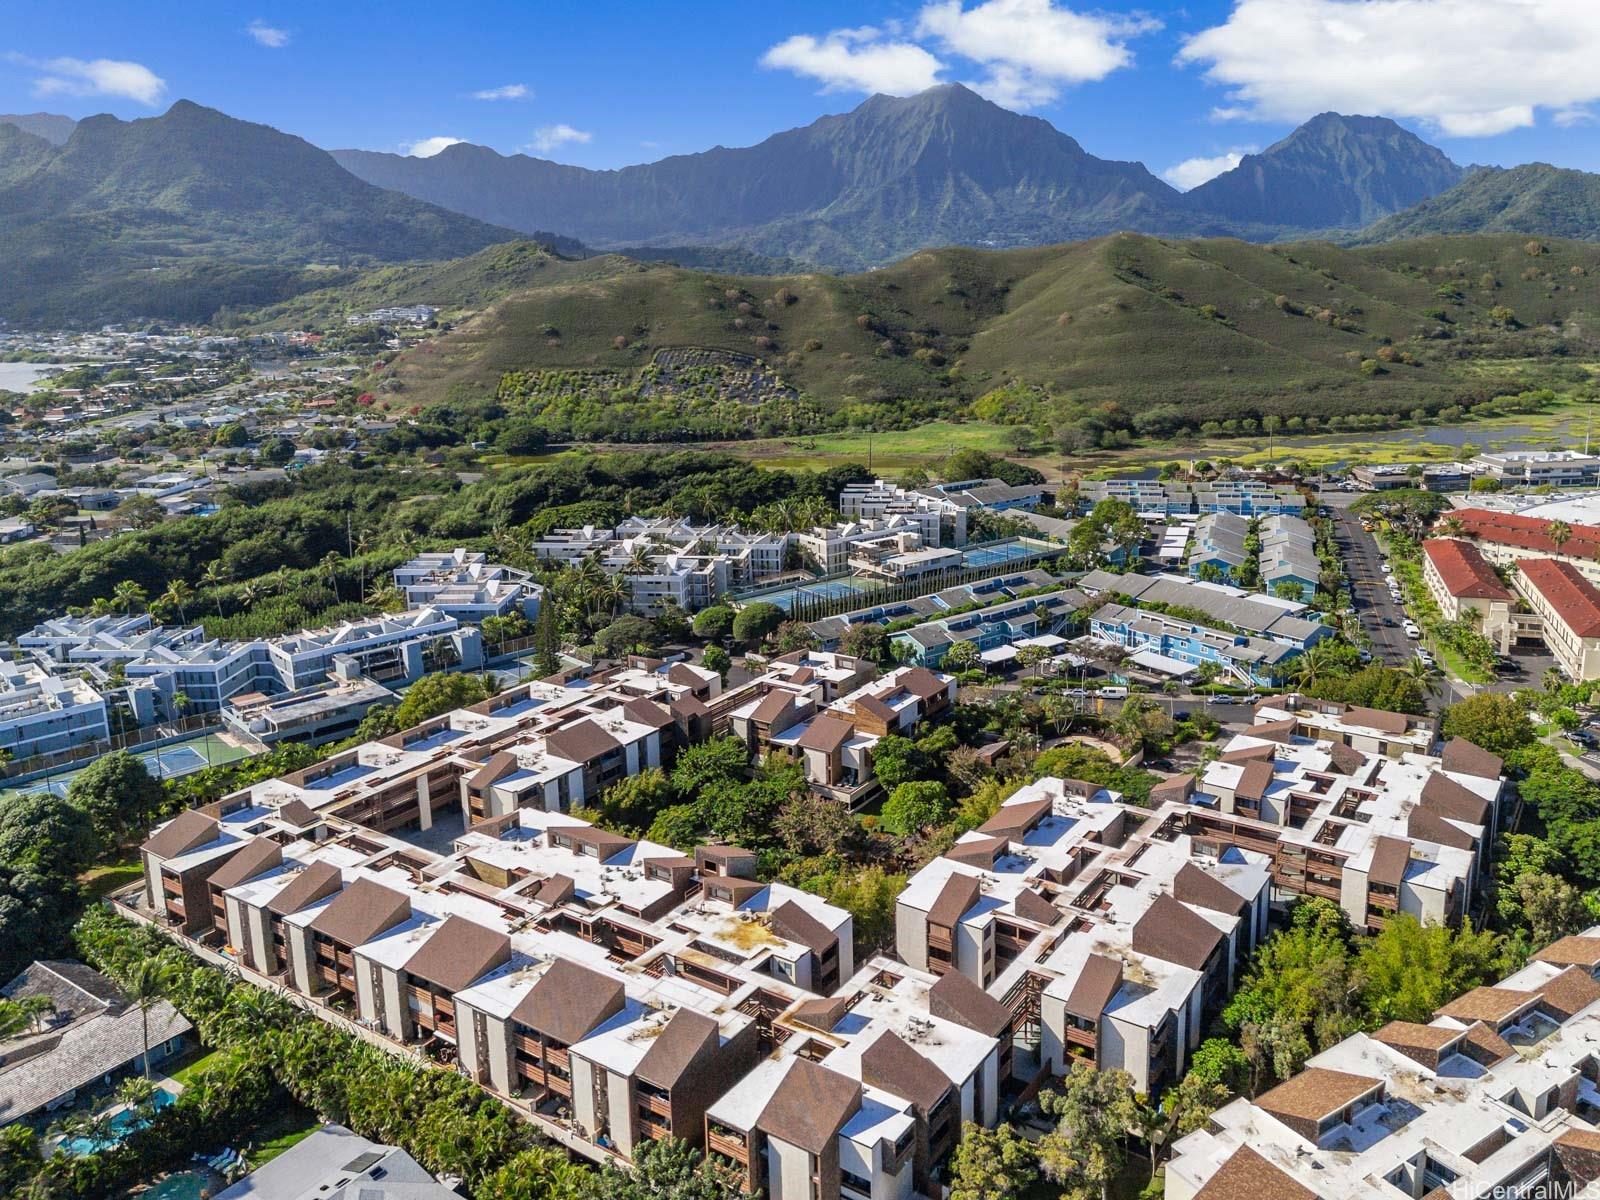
{"x": 940, "y": 520}
{"x": 1494, "y": 1096}
{"x": 1568, "y": 606}
{"x": 41, "y": 714}
{"x": 1536, "y": 468}
{"x": 465, "y": 585}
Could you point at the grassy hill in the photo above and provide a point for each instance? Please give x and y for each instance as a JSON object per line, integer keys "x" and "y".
{"x": 1533, "y": 198}
{"x": 1132, "y": 331}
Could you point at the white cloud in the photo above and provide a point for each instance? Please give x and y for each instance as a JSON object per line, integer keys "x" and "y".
{"x": 548, "y": 137}
{"x": 1192, "y": 172}
{"x": 428, "y": 147}
{"x": 1470, "y": 68}
{"x": 857, "y": 60}
{"x": 1033, "y": 48}
{"x": 510, "y": 91}
{"x": 266, "y": 35}
{"x": 94, "y": 77}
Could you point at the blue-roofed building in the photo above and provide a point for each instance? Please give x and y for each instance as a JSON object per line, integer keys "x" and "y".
{"x": 997, "y": 625}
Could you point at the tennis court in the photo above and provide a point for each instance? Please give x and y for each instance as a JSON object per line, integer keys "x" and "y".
{"x": 822, "y": 590}
{"x": 173, "y": 760}
{"x": 1005, "y": 552}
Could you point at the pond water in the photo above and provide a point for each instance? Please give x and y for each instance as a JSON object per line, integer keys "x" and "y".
{"x": 23, "y": 377}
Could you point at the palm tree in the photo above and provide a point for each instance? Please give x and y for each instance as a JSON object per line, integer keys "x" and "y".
{"x": 101, "y": 607}
{"x": 129, "y": 596}
{"x": 178, "y": 594}
{"x": 212, "y": 578}
{"x": 17, "y": 1016}
{"x": 136, "y": 1092}
{"x": 1452, "y": 527}
{"x": 146, "y": 982}
{"x": 1558, "y": 532}
{"x": 180, "y": 702}
{"x": 330, "y": 564}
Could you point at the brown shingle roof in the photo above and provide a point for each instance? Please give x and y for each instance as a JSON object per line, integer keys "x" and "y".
{"x": 361, "y": 912}
{"x": 1176, "y": 934}
{"x": 873, "y": 707}
{"x": 1491, "y": 1004}
{"x": 1420, "y": 1042}
{"x": 1254, "y": 780}
{"x": 647, "y": 712}
{"x": 978, "y": 852}
{"x": 458, "y": 952}
{"x": 1195, "y": 886}
{"x": 1389, "y": 859}
{"x": 185, "y": 832}
{"x": 297, "y": 813}
{"x": 892, "y": 1065}
{"x": 569, "y": 1001}
{"x": 1174, "y": 787}
{"x": 1346, "y": 760}
{"x": 580, "y": 742}
{"x": 1377, "y": 718}
{"x": 1465, "y": 758}
{"x": 959, "y": 893}
{"x": 772, "y": 706}
{"x": 810, "y": 1106}
{"x": 1245, "y": 1175}
{"x": 822, "y": 1014}
{"x": 1454, "y": 800}
{"x": 1485, "y": 1045}
{"x": 1030, "y": 905}
{"x": 1247, "y": 754}
{"x": 1427, "y": 825}
{"x": 1013, "y": 820}
{"x": 317, "y": 881}
{"x": 558, "y": 889}
{"x": 683, "y": 1041}
{"x": 1576, "y": 951}
{"x": 1315, "y": 1093}
{"x": 1097, "y": 983}
{"x": 791, "y": 921}
{"x": 496, "y": 769}
{"x": 922, "y": 683}
{"x": 825, "y": 733}
{"x": 956, "y": 998}
{"x": 257, "y": 857}
{"x": 1570, "y": 992}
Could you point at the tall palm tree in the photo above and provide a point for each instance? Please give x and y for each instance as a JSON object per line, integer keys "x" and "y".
{"x": 212, "y": 578}
{"x": 1452, "y": 527}
{"x": 102, "y": 606}
{"x": 146, "y": 982}
{"x": 330, "y": 564}
{"x": 20, "y": 1015}
{"x": 177, "y": 595}
{"x": 1558, "y": 532}
{"x": 129, "y": 596}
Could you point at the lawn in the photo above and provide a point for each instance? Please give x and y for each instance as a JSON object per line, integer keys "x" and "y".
{"x": 102, "y": 881}
{"x": 186, "y": 1073}
{"x": 891, "y": 451}
{"x": 279, "y": 1134}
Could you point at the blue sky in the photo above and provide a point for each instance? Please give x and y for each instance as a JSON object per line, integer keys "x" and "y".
{"x": 1179, "y": 87}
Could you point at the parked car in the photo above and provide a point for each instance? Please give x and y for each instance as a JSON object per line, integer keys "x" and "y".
{"x": 1424, "y": 657}
{"x": 1112, "y": 693}
{"x": 1412, "y": 631}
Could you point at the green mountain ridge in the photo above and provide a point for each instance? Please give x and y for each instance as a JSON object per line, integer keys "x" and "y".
{"x": 192, "y": 210}
{"x": 1159, "y": 333}
{"x": 1535, "y": 198}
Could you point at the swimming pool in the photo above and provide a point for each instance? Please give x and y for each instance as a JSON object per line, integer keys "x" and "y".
{"x": 121, "y": 1125}
{"x": 185, "y": 1185}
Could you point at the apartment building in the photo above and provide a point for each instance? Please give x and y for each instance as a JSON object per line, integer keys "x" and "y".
{"x": 1246, "y": 498}
{"x": 1288, "y": 623}
{"x": 1506, "y": 539}
{"x": 831, "y": 549}
{"x": 989, "y": 628}
{"x": 1496, "y": 1095}
{"x": 1537, "y": 468}
{"x": 41, "y": 713}
{"x": 1568, "y": 607}
{"x": 321, "y": 713}
{"x": 465, "y": 585}
{"x": 834, "y": 732}
{"x": 939, "y": 520}
{"x": 1430, "y": 477}
{"x": 1288, "y": 558}
{"x": 1109, "y": 944}
{"x": 1376, "y": 831}
{"x": 1467, "y": 588}
{"x": 146, "y": 666}
{"x": 983, "y": 592}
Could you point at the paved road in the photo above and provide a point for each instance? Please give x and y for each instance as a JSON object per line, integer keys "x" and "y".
{"x": 1369, "y": 590}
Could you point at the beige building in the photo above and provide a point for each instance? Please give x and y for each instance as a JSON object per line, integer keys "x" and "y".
{"x": 1466, "y": 588}
{"x": 1569, "y": 606}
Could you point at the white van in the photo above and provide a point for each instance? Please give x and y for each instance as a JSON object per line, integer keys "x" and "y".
{"x": 1112, "y": 693}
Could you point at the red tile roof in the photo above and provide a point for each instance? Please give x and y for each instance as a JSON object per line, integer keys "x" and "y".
{"x": 1575, "y": 600}
{"x": 1528, "y": 533}
{"x": 1466, "y": 573}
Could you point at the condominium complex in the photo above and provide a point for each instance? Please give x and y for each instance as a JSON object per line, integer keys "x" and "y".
{"x": 1496, "y": 1095}
{"x": 42, "y": 714}
{"x": 1535, "y": 468}
{"x": 1253, "y": 638}
{"x": 438, "y": 890}
{"x": 160, "y": 671}
{"x": 1467, "y": 588}
{"x": 1506, "y": 539}
{"x": 1567, "y": 605}
{"x": 1245, "y": 498}
{"x": 1286, "y": 559}
{"x": 465, "y": 585}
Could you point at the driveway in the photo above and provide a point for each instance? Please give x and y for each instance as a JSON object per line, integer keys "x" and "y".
{"x": 1369, "y": 590}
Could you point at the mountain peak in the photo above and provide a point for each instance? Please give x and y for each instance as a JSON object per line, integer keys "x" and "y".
{"x": 1334, "y": 172}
